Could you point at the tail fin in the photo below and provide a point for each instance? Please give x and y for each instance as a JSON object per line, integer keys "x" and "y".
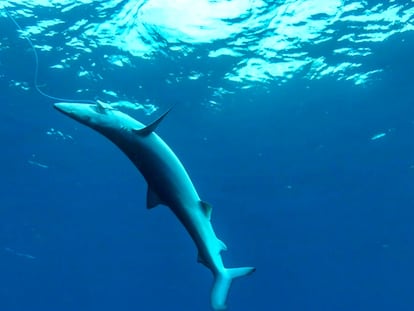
{"x": 222, "y": 285}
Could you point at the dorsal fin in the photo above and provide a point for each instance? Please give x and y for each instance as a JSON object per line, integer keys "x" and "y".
{"x": 152, "y": 198}
{"x": 206, "y": 208}
{"x": 151, "y": 127}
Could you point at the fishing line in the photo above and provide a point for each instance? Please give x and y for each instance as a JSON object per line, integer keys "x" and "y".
{"x": 36, "y": 72}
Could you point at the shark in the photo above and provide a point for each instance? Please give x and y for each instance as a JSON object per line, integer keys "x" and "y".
{"x": 168, "y": 184}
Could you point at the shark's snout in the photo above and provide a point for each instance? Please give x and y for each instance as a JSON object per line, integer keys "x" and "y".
{"x": 63, "y": 107}
{"x": 77, "y": 111}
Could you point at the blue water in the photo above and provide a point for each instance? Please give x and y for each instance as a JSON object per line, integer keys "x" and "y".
{"x": 294, "y": 119}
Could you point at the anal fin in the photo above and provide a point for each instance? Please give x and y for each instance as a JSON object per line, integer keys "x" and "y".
{"x": 206, "y": 208}
{"x": 201, "y": 260}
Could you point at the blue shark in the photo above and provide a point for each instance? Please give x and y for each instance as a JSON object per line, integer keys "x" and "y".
{"x": 168, "y": 184}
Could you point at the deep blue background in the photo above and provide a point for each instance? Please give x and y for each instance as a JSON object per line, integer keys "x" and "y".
{"x": 299, "y": 190}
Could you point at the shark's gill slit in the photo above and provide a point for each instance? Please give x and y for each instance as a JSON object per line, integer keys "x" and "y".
{"x": 36, "y": 71}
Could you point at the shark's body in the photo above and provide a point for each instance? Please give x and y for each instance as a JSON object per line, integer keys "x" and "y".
{"x": 168, "y": 184}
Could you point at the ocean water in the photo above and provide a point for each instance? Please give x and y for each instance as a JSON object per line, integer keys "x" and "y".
{"x": 294, "y": 119}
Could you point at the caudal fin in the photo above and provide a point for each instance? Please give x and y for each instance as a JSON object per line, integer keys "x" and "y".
{"x": 222, "y": 285}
